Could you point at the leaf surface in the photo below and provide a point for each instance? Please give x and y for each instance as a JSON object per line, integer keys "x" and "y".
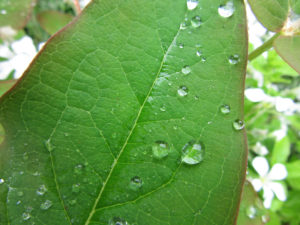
{"x": 6, "y": 85}
{"x": 128, "y": 80}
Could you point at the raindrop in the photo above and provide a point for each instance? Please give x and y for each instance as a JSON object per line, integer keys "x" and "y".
{"x": 160, "y": 149}
{"x": 238, "y": 124}
{"x": 234, "y": 59}
{"x": 183, "y": 25}
{"x": 135, "y": 183}
{"x": 192, "y": 4}
{"x": 75, "y": 188}
{"x": 196, "y": 97}
{"x": 26, "y": 216}
{"x": 78, "y": 169}
{"x": 18, "y": 202}
{"x": 118, "y": 221}
{"x": 182, "y": 91}
{"x": 42, "y": 190}
{"x": 199, "y": 53}
{"x": 203, "y": 59}
{"x": 48, "y": 145}
{"x": 163, "y": 108}
{"x": 251, "y": 212}
{"x": 186, "y": 70}
{"x": 46, "y": 205}
{"x": 226, "y": 10}
{"x": 192, "y": 153}
{"x": 2, "y": 181}
{"x": 20, "y": 193}
{"x": 196, "y": 21}
{"x": 225, "y": 109}
{"x": 181, "y": 45}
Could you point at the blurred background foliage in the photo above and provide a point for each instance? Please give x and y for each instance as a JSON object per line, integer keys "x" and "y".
{"x": 272, "y": 96}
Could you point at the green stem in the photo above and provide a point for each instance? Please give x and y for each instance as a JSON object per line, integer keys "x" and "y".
{"x": 264, "y": 47}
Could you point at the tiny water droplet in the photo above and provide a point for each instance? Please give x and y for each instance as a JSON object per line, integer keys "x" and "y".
{"x": 163, "y": 108}
{"x": 73, "y": 202}
{"x": 46, "y": 205}
{"x": 238, "y": 124}
{"x": 2, "y": 181}
{"x": 192, "y": 4}
{"x": 26, "y": 216}
{"x": 196, "y": 21}
{"x": 75, "y": 188}
{"x": 251, "y": 212}
{"x": 48, "y": 145}
{"x": 20, "y": 193}
{"x": 182, "y": 91}
{"x": 117, "y": 221}
{"x": 183, "y": 25}
{"x": 192, "y": 153}
{"x": 226, "y": 10}
{"x": 234, "y": 59}
{"x": 160, "y": 149}
{"x": 181, "y": 45}
{"x": 225, "y": 109}
{"x": 18, "y": 202}
{"x": 78, "y": 169}
{"x": 135, "y": 183}
{"x": 203, "y": 59}
{"x": 196, "y": 97}
{"x": 175, "y": 127}
{"x": 66, "y": 134}
{"x": 186, "y": 70}
{"x": 198, "y": 53}
{"x": 42, "y": 190}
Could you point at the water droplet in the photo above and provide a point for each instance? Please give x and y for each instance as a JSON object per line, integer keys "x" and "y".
{"x": 163, "y": 108}
{"x": 118, "y": 221}
{"x": 26, "y": 216}
{"x": 78, "y": 169}
{"x": 48, "y": 145}
{"x": 234, "y": 59}
{"x": 46, "y": 205}
{"x": 203, "y": 59}
{"x": 196, "y": 21}
{"x": 66, "y": 134}
{"x": 75, "y": 188}
{"x": 18, "y": 202}
{"x": 192, "y": 4}
{"x": 20, "y": 193}
{"x": 42, "y": 190}
{"x": 2, "y": 181}
{"x": 192, "y": 153}
{"x": 226, "y": 10}
{"x": 73, "y": 202}
{"x": 199, "y": 53}
{"x": 135, "y": 183}
{"x": 180, "y": 45}
{"x": 238, "y": 124}
{"x": 251, "y": 212}
{"x": 160, "y": 149}
{"x": 225, "y": 109}
{"x": 186, "y": 70}
{"x": 175, "y": 127}
{"x": 182, "y": 91}
{"x": 183, "y": 25}
{"x": 196, "y": 97}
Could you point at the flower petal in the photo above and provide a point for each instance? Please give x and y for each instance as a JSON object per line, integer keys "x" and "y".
{"x": 268, "y": 196}
{"x": 278, "y": 172}
{"x": 279, "y": 191}
{"x": 257, "y": 184}
{"x": 261, "y": 165}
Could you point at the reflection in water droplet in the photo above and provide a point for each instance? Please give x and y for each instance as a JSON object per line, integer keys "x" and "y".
{"x": 135, "y": 183}
{"x": 26, "y": 216}
{"x": 251, "y": 212}
{"x": 226, "y": 10}
{"x": 192, "y": 4}
{"x": 46, "y": 205}
{"x": 192, "y": 153}
{"x": 196, "y": 21}
{"x": 186, "y": 70}
{"x": 2, "y": 181}
{"x": 78, "y": 169}
{"x": 118, "y": 221}
{"x": 238, "y": 124}
{"x": 160, "y": 149}
{"x": 182, "y": 91}
{"x": 225, "y": 109}
{"x": 42, "y": 190}
{"x": 75, "y": 188}
{"x": 234, "y": 59}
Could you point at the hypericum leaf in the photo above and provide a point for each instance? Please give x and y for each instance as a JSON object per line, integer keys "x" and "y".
{"x": 120, "y": 119}
{"x": 6, "y": 85}
{"x": 15, "y": 13}
{"x": 293, "y": 174}
{"x": 281, "y": 151}
{"x": 52, "y": 21}
{"x": 271, "y": 13}
{"x": 288, "y": 47}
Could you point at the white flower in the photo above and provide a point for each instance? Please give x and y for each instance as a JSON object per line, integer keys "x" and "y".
{"x": 267, "y": 180}
{"x": 260, "y": 149}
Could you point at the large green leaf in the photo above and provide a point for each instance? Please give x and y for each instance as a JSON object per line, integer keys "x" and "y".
{"x": 96, "y": 127}
{"x": 6, "y": 85}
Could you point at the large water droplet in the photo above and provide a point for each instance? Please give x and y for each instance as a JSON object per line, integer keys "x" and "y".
{"x": 226, "y": 10}
{"x": 78, "y": 169}
{"x": 234, "y": 59}
{"x": 75, "y": 188}
{"x": 46, "y": 205}
{"x": 2, "y": 181}
{"x": 118, "y": 221}
{"x": 225, "y": 109}
{"x": 238, "y": 124}
{"x": 26, "y": 216}
{"x": 192, "y": 4}
{"x": 160, "y": 149}
{"x": 42, "y": 190}
{"x": 182, "y": 91}
{"x": 135, "y": 183}
{"x": 186, "y": 70}
{"x": 196, "y": 21}
{"x": 193, "y": 153}
{"x": 251, "y": 212}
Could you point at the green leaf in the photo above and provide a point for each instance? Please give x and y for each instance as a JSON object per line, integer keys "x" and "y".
{"x": 290, "y": 209}
{"x": 295, "y": 5}
{"x": 293, "y": 178}
{"x": 281, "y": 151}
{"x": 6, "y": 85}
{"x": 271, "y": 13}
{"x": 288, "y": 47}
{"x": 52, "y": 21}
{"x": 15, "y": 13}
{"x": 81, "y": 123}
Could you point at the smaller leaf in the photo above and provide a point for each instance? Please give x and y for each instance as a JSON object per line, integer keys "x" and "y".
{"x": 281, "y": 151}
{"x": 52, "y": 21}
{"x": 293, "y": 174}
